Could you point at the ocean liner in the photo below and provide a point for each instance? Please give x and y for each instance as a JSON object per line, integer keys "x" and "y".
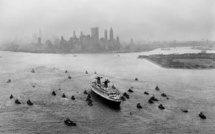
{"x": 110, "y": 93}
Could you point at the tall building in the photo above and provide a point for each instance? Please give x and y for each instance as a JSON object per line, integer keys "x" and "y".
{"x": 81, "y": 36}
{"x": 74, "y": 35}
{"x": 40, "y": 33}
{"x": 106, "y": 38}
{"x": 39, "y": 40}
{"x": 81, "y": 33}
{"x": 111, "y": 34}
{"x": 117, "y": 39}
{"x": 132, "y": 42}
{"x": 62, "y": 39}
{"x": 95, "y": 33}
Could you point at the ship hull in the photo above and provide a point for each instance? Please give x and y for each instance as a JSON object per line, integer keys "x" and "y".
{"x": 110, "y": 102}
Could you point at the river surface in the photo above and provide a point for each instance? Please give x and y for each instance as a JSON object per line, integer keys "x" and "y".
{"x": 193, "y": 90}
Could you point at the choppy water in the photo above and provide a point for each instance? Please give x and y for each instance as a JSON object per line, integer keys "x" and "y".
{"x": 189, "y": 89}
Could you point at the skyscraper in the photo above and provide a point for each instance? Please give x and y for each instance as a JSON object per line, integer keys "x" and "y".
{"x": 81, "y": 33}
{"x": 62, "y": 39}
{"x": 39, "y": 40}
{"x": 117, "y": 39}
{"x": 132, "y": 42}
{"x": 111, "y": 34}
{"x": 81, "y": 36}
{"x": 106, "y": 34}
{"x": 40, "y": 33}
{"x": 95, "y": 33}
{"x": 74, "y": 35}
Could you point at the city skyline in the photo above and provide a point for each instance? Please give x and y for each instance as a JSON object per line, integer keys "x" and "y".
{"x": 103, "y": 34}
{"x": 141, "y": 19}
{"x": 92, "y": 43}
{"x": 94, "y": 33}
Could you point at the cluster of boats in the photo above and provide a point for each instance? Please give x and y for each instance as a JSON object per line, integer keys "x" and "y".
{"x": 114, "y": 97}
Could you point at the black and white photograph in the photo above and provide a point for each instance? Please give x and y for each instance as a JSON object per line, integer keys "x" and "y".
{"x": 107, "y": 67}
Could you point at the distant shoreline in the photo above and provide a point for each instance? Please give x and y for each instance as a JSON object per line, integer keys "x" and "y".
{"x": 61, "y": 53}
{"x": 181, "y": 61}
{"x": 74, "y": 53}
{"x": 177, "y": 68}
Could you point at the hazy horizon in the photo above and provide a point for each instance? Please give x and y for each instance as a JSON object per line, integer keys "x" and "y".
{"x": 148, "y": 20}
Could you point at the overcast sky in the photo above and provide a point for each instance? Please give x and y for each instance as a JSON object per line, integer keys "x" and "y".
{"x": 139, "y": 19}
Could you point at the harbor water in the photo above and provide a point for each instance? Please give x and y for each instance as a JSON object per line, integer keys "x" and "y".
{"x": 193, "y": 90}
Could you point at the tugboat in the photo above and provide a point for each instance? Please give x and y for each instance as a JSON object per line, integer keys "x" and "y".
{"x": 109, "y": 93}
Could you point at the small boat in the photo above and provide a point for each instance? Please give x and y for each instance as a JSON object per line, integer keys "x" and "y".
{"x": 11, "y": 96}
{"x": 85, "y": 92}
{"x": 126, "y": 95}
{"x": 161, "y": 107}
{"x": 139, "y": 106}
{"x": 68, "y": 122}
{"x": 63, "y": 96}
{"x": 29, "y": 102}
{"x": 53, "y": 93}
{"x": 202, "y": 116}
{"x": 130, "y": 90}
{"x": 184, "y": 110}
{"x": 153, "y": 98}
{"x": 9, "y": 81}
{"x": 146, "y": 93}
{"x": 110, "y": 93}
{"x": 157, "y": 88}
{"x": 73, "y": 97}
{"x": 164, "y": 95}
{"x": 150, "y": 101}
{"x": 17, "y": 101}
{"x": 32, "y": 71}
{"x": 122, "y": 98}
